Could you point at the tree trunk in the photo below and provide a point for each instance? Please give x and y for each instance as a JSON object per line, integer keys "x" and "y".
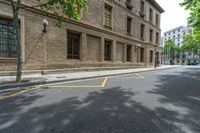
{"x": 18, "y": 42}
{"x": 19, "y": 57}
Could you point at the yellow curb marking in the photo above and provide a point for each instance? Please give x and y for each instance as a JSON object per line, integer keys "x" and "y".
{"x": 139, "y": 75}
{"x": 38, "y": 87}
{"x": 83, "y": 86}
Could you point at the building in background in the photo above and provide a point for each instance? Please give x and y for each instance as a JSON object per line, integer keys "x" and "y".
{"x": 176, "y": 34}
{"x": 112, "y": 33}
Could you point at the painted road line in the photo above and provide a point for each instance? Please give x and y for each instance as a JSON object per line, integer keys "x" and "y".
{"x": 139, "y": 75}
{"x": 103, "y": 84}
{"x": 19, "y": 93}
{"x": 73, "y": 81}
{"x": 38, "y": 87}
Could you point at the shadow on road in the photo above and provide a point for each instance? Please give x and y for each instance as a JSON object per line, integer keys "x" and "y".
{"x": 111, "y": 110}
{"x": 182, "y": 91}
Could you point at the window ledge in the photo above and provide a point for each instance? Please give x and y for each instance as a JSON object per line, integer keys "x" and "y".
{"x": 108, "y": 27}
{"x": 129, "y": 34}
{"x": 142, "y": 39}
{"x": 8, "y": 60}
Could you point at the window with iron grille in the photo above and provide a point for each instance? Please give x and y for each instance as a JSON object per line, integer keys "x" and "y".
{"x": 108, "y": 16}
{"x": 150, "y": 15}
{"x": 151, "y": 56}
{"x": 107, "y": 50}
{"x": 8, "y": 43}
{"x": 142, "y": 31}
{"x": 129, "y": 25}
{"x": 73, "y": 46}
{"x": 157, "y": 20}
{"x": 141, "y": 54}
{"x": 128, "y": 52}
{"x": 151, "y": 35}
{"x": 128, "y": 1}
{"x": 142, "y": 6}
{"x": 157, "y": 38}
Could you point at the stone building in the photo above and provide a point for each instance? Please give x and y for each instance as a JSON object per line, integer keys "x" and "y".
{"x": 112, "y": 33}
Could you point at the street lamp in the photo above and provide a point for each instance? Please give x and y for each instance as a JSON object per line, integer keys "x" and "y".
{"x": 45, "y": 24}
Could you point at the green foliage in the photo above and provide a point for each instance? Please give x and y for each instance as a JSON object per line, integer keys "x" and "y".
{"x": 63, "y": 8}
{"x": 193, "y": 6}
{"x": 190, "y": 44}
{"x": 171, "y": 46}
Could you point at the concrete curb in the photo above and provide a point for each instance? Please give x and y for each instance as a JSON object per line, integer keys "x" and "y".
{"x": 3, "y": 87}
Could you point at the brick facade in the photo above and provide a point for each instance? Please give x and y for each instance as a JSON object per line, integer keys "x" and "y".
{"x": 49, "y": 50}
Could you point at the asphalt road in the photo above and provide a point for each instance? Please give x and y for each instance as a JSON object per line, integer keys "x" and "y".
{"x": 163, "y": 101}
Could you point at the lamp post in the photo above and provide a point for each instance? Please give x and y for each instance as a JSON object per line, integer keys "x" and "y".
{"x": 45, "y": 24}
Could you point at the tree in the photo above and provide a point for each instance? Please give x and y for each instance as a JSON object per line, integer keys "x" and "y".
{"x": 70, "y": 8}
{"x": 170, "y": 47}
{"x": 190, "y": 44}
{"x": 171, "y": 50}
{"x": 193, "y": 6}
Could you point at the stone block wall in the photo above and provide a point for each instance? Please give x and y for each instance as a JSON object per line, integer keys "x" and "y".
{"x": 49, "y": 50}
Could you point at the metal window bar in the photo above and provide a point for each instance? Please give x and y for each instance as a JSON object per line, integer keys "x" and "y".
{"x": 8, "y": 44}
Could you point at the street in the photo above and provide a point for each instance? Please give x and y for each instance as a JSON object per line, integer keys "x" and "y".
{"x": 162, "y": 101}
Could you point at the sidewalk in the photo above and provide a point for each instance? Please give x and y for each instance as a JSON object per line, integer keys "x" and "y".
{"x": 38, "y": 79}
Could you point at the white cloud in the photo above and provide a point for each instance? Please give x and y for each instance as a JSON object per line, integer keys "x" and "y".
{"x": 174, "y": 15}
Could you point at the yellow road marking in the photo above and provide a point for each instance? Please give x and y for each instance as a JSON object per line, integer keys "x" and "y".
{"x": 38, "y": 87}
{"x": 104, "y": 82}
{"x": 18, "y": 93}
{"x": 83, "y": 86}
{"x": 139, "y": 75}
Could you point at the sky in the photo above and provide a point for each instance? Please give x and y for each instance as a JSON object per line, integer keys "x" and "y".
{"x": 174, "y": 15}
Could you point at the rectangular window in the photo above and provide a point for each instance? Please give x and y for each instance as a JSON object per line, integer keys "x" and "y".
{"x": 128, "y": 52}
{"x": 142, "y": 31}
{"x": 157, "y": 38}
{"x": 141, "y": 54}
{"x": 108, "y": 16}
{"x": 129, "y": 25}
{"x": 73, "y": 45}
{"x": 157, "y": 20}
{"x": 150, "y": 15}
{"x": 107, "y": 50}
{"x": 142, "y": 12}
{"x": 151, "y": 56}
{"x": 128, "y": 4}
{"x": 8, "y": 43}
{"x": 128, "y": 1}
{"x": 151, "y": 35}
{"x": 142, "y": 6}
